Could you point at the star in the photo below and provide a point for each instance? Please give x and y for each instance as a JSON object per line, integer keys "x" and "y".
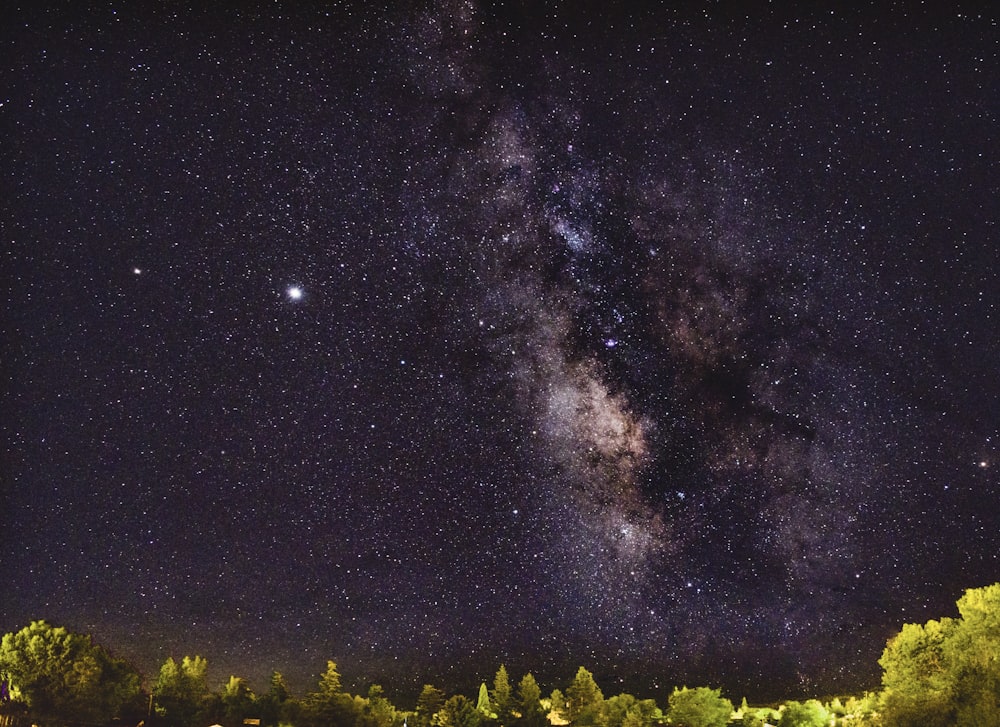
{"x": 652, "y": 323}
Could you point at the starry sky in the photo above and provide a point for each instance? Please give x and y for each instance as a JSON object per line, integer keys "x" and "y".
{"x": 659, "y": 341}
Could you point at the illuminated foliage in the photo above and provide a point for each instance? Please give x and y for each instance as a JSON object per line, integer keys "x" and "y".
{"x": 274, "y": 706}
{"x": 429, "y": 702}
{"x": 62, "y": 676}
{"x": 238, "y": 701}
{"x": 583, "y": 699}
{"x": 483, "y": 703}
{"x": 557, "y": 707}
{"x": 459, "y": 711}
{"x": 699, "y": 707}
{"x": 328, "y": 705}
{"x": 918, "y": 685}
{"x": 529, "y": 703}
{"x": 946, "y": 672}
{"x": 624, "y": 710}
{"x": 181, "y": 690}
{"x": 501, "y": 697}
{"x": 804, "y": 714}
{"x": 377, "y": 710}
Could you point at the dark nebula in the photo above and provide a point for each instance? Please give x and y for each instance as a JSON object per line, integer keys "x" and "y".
{"x": 660, "y": 342}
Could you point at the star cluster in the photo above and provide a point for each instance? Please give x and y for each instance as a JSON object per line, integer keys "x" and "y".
{"x": 659, "y": 341}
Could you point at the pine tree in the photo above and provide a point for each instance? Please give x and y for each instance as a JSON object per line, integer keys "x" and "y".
{"x": 328, "y": 705}
{"x": 429, "y": 703}
{"x": 558, "y": 704}
{"x": 501, "y": 698}
{"x": 237, "y": 700}
{"x": 329, "y": 683}
{"x": 377, "y": 711}
{"x": 529, "y": 703}
{"x": 458, "y": 711}
{"x": 274, "y": 705}
{"x": 583, "y": 699}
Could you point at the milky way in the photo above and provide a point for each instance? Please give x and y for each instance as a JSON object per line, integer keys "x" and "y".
{"x": 623, "y": 339}
{"x": 657, "y": 342}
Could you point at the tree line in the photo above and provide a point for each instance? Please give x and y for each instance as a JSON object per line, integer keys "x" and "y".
{"x": 940, "y": 674}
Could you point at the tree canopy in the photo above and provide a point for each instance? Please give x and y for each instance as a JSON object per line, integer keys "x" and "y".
{"x": 529, "y": 703}
{"x": 583, "y": 699}
{"x": 429, "y": 703}
{"x": 699, "y": 707}
{"x": 942, "y": 673}
{"x": 459, "y": 711}
{"x": 804, "y": 714}
{"x": 63, "y": 676}
{"x": 947, "y": 671}
{"x": 181, "y": 690}
{"x": 328, "y": 705}
{"x": 501, "y": 696}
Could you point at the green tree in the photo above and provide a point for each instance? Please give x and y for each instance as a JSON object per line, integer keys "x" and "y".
{"x": 377, "y": 711}
{"x": 639, "y": 717}
{"x": 63, "y": 676}
{"x": 329, "y": 681}
{"x": 645, "y": 710}
{"x": 583, "y": 699}
{"x": 862, "y": 710}
{"x": 557, "y": 706}
{"x": 459, "y": 711}
{"x": 501, "y": 697}
{"x": 946, "y": 672}
{"x": 918, "y": 688}
{"x": 237, "y": 700}
{"x": 625, "y": 709}
{"x": 429, "y": 703}
{"x": 279, "y": 688}
{"x": 528, "y": 703}
{"x": 181, "y": 690}
{"x": 804, "y": 714}
{"x": 274, "y": 706}
{"x": 836, "y": 708}
{"x": 615, "y": 708}
{"x": 328, "y": 706}
{"x": 760, "y": 716}
{"x": 483, "y": 703}
{"x": 973, "y": 653}
{"x": 699, "y": 707}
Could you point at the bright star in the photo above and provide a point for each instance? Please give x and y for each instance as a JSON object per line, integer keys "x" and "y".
{"x": 294, "y": 293}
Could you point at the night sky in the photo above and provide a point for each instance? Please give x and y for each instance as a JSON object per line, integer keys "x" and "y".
{"x": 659, "y": 342}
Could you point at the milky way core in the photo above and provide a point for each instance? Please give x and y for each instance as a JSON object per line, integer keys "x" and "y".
{"x": 656, "y": 340}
